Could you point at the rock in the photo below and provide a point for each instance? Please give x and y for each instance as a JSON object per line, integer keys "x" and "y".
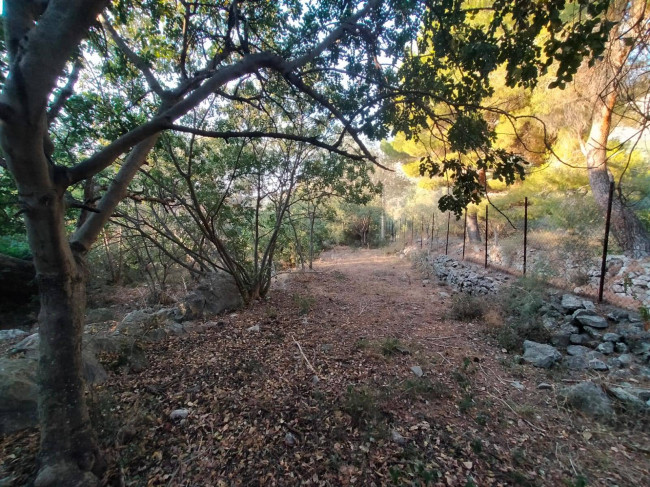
{"x": 576, "y": 350}
{"x": 606, "y": 348}
{"x": 142, "y": 321}
{"x": 27, "y": 346}
{"x": 570, "y": 303}
{"x": 18, "y": 389}
{"x": 175, "y": 329}
{"x": 543, "y": 386}
{"x": 254, "y": 328}
{"x": 11, "y": 334}
{"x": 640, "y": 347}
{"x": 588, "y": 398}
{"x": 290, "y": 439}
{"x": 593, "y": 333}
{"x": 417, "y": 370}
{"x": 621, "y": 347}
{"x": 618, "y": 315}
{"x": 18, "y": 394}
{"x": 575, "y": 362}
{"x": 627, "y": 398}
{"x": 597, "y": 364}
{"x": 612, "y": 337}
{"x": 562, "y": 337}
{"x": 99, "y": 315}
{"x": 315, "y": 380}
{"x": 540, "y": 354}
{"x": 326, "y": 347}
{"x": 179, "y": 414}
{"x": 215, "y": 294}
{"x": 579, "y": 339}
{"x": 593, "y": 321}
{"x": 397, "y": 438}
{"x": 589, "y": 305}
{"x": 517, "y": 385}
{"x": 622, "y": 361}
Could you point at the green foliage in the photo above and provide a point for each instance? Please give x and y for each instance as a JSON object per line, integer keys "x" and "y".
{"x": 14, "y": 246}
{"x": 521, "y": 304}
{"x": 361, "y": 404}
{"x": 304, "y": 303}
{"x": 425, "y": 389}
{"x": 392, "y": 346}
{"x": 466, "y": 307}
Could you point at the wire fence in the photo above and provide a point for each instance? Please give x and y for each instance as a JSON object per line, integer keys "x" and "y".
{"x": 573, "y": 257}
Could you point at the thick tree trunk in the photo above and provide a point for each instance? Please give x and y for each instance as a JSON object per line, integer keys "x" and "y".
{"x": 473, "y": 232}
{"x": 69, "y": 453}
{"x": 626, "y": 226}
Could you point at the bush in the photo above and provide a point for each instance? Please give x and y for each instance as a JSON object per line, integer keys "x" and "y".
{"x": 465, "y": 307}
{"x": 521, "y": 303}
{"x": 14, "y": 246}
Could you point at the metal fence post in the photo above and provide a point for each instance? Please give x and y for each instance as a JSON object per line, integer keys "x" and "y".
{"x": 421, "y": 231}
{"x": 486, "y": 236}
{"x": 525, "y": 231}
{"x": 447, "y": 242}
{"x": 603, "y": 267}
{"x": 464, "y": 233}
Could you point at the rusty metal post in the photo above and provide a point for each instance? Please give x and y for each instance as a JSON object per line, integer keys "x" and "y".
{"x": 421, "y": 231}
{"x": 486, "y": 236}
{"x": 525, "y": 231}
{"x": 447, "y": 242}
{"x": 464, "y": 233}
{"x": 603, "y": 267}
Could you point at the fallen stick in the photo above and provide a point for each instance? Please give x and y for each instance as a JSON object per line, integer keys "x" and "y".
{"x": 305, "y": 357}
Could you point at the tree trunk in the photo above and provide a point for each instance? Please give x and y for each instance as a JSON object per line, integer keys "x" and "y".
{"x": 625, "y": 225}
{"x": 69, "y": 453}
{"x": 473, "y": 232}
{"x": 312, "y": 219}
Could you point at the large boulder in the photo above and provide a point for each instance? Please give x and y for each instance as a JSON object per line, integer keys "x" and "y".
{"x": 99, "y": 315}
{"x": 11, "y": 334}
{"x": 18, "y": 386}
{"x": 541, "y": 354}
{"x": 215, "y": 294}
{"x": 588, "y": 398}
{"x": 18, "y": 392}
{"x": 142, "y": 322}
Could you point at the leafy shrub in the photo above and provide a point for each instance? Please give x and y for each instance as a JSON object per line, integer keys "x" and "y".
{"x": 361, "y": 404}
{"x": 392, "y": 346}
{"x": 14, "y": 246}
{"x": 465, "y": 307}
{"x": 521, "y": 303}
{"x": 304, "y": 303}
{"x": 424, "y": 388}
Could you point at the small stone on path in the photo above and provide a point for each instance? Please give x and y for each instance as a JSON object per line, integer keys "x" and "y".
{"x": 179, "y": 414}
{"x": 417, "y": 370}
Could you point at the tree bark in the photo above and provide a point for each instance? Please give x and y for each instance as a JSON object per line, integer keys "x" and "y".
{"x": 626, "y": 227}
{"x": 473, "y": 232}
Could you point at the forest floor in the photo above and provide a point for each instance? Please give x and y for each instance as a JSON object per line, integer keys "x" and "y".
{"x": 259, "y": 416}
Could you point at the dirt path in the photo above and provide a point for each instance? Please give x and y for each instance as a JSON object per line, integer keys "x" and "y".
{"x": 259, "y": 414}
